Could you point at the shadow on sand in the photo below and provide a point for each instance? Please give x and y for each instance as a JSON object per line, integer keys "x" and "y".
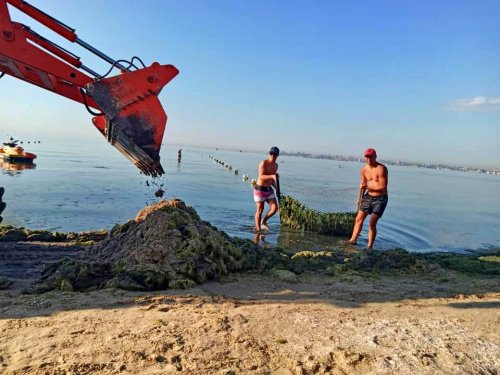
{"x": 22, "y": 262}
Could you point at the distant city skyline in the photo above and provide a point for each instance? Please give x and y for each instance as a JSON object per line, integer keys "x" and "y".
{"x": 418, "y": 81}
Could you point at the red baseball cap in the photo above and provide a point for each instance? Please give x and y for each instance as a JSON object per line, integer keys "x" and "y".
{"x": 370, "y": 152}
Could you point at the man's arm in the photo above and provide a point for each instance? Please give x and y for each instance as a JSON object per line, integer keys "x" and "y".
{"x": 362, "y": 188}
{"x": 362, "y": 184}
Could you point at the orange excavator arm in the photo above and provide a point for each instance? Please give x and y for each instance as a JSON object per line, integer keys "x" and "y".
{"x": 130, "y": 115}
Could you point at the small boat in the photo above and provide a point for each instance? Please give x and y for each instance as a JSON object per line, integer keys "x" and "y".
{"x": 13, "y": 153}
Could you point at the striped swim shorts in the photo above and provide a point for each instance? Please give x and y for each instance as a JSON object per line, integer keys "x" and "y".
{"x": 263, "y": 193}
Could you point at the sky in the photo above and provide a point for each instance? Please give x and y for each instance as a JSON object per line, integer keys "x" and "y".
{"x": 416, "y": 80}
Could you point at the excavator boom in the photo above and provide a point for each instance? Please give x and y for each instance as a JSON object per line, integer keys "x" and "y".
{"x": 130, "y": 115}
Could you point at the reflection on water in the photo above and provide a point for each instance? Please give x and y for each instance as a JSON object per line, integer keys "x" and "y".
{"x": 297, "y": 240}
{"x": 260, "y": 238}
{"x": 303, "y": 241}
{"x": 13, "y": 169}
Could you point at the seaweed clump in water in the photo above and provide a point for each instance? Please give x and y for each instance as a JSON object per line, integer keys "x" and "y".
{"x": 296, "y": 215}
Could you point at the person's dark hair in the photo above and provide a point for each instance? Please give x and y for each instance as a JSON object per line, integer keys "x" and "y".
{"x": 274, "y": 151}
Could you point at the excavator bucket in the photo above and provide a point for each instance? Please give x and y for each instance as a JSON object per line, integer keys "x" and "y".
{"x": 133, "y": 118}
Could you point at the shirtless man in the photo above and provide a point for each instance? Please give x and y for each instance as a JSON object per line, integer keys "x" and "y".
{"x": 263, "y": 189}
{"x": 374, "y": 178}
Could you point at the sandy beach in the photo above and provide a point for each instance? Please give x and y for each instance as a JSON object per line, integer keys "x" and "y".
{"x": 250, "y": 323}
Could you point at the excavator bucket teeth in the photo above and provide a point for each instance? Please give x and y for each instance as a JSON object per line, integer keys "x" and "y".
{"x": 133, "y": 118}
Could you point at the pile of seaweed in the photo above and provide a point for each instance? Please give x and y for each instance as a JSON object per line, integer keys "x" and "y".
{"x": 393, "y": 262}
{"x": 295, "y": 215}
{"x": 166, "y": 246}
{"x": 10, "y": 233}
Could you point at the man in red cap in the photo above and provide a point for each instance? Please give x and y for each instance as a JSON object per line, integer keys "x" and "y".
{"x": 373, "y": 187}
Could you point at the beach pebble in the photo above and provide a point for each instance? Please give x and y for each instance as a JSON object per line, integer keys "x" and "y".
{"x": 284, "y": 275}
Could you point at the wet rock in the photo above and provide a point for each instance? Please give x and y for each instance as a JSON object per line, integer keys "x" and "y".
{"x": 335, "y": 270}
{"x": 66, "y": 286}
{"x": 94, "y": 236}
{"x": 124, "y": 282}
{"x": 285, "y": 275}
{"x": 397, "y": 259}
{"x": 45, "y": 236}
{"x": 11, "y": 234}
{"x": 5, "y": 283}
{"x": 181, "y": 284}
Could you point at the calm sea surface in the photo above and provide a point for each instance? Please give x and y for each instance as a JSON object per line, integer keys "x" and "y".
{"x": 90, "y": 186}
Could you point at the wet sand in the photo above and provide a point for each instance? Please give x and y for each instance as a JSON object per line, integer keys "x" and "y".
{"x": 250, "y": 324}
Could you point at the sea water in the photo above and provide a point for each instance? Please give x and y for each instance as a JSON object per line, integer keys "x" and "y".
{"x": 78, "y": 187}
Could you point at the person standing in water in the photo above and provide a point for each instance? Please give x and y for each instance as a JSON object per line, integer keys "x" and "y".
{"x": 2, "y": 204}
{"x": 263, "y": 189}
{"x": 374, "y": 179}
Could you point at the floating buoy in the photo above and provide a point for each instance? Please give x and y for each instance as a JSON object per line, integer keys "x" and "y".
{"x": 245, "y": 177}
{"x": 254, "y": 182}
{"x": 235, "y": 171}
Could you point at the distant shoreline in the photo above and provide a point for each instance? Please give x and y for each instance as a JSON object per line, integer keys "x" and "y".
{"x": 397, "y": 162}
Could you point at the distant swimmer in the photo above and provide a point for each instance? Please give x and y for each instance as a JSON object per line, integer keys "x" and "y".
{"x": 263, "y": 189}
{"x": 374, "y": 198}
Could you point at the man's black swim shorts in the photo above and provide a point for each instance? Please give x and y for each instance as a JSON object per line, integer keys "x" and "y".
{"x": 374, "y": 205}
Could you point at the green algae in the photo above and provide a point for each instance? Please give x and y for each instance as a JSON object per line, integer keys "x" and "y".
{"x": 470, "y": 264}
{"x": 296, "y": 215}
{"x": 172, "y": 247}
{"x": 491, "y": 258}
{"x": 13, "y": 234}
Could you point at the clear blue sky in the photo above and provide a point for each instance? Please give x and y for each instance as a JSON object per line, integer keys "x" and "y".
{"x": 417, "y": 80}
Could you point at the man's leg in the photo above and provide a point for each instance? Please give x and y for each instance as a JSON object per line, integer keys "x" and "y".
{"x": 273, "y": 208}
{"x": 372, "y": 232}
{"x": 358, "y": 225}
{"x": 258, "y": 214}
